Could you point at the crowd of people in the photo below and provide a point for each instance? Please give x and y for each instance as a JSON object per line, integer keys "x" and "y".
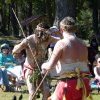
{"x": 55, "y": 51}
{"x": 10, "y": 67}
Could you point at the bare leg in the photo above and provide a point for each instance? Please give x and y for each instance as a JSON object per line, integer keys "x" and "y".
{"x": 46, "y": 91}
{"x": 31, "y": 87}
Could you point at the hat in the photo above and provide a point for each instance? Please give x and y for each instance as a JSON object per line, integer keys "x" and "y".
{"x": 54, "y": 29}
{"x": 5, "y": 46}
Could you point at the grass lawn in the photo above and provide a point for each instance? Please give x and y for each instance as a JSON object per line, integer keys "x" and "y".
{"x": 9, "y": 96}
{"x": 96, "y": 96}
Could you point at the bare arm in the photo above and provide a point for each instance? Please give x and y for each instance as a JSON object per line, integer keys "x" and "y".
{"x": 54, "y": 57}
{"x": 54, "y": 39}
{"x": 19, "y": 47}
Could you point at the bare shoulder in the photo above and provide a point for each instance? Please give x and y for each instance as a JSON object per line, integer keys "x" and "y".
{"x": 31, "y": 36}
{"x": 60, "y": 44}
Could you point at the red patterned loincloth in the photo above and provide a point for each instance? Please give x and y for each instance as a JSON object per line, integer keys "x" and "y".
{"x": 66, "y": 90}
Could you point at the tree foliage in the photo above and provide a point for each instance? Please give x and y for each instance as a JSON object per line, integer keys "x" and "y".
{"x": 27, "y": 8}
{"x": 84, "y": 20}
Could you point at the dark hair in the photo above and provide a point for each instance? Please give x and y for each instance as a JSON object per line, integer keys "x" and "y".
{"x": 5, "y": 46}
{"x": 43, "y": 25}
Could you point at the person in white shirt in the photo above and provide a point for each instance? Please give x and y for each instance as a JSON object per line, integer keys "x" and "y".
{"x": 97, "y": 68}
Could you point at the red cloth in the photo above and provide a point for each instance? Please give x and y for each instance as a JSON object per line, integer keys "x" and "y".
{"x": 26, "y": 67}
{"x": 69, "y": 89}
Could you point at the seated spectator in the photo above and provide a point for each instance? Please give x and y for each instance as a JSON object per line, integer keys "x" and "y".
{"x": 92, "y": 51}
{"x": 94, "y": 43}
{"x": 7, "y": 62}
{"x": 4, "y": 59}
{"x": 97, "y": 68}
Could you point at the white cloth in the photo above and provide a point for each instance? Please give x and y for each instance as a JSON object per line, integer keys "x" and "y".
{"x": 61, "y": 68}
{"x": 96, "y": 74}
{"x": 15, "y": 71}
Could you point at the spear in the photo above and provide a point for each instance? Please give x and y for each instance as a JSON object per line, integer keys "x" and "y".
{"x": 33, "y": 95}
{"x": 27, "y": 40}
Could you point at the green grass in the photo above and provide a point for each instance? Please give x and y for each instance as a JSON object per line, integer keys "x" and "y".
{"x": 9, "y": 95}
{"x": 96, "y": 97}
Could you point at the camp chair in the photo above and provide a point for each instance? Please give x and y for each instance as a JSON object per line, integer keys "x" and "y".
{"x": 15, "y": 77}
{"x": 95, "y": 85}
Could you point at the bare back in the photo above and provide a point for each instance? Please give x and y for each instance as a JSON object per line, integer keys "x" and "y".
{"x": 73, "y": 51}
{"x": 70, "y": 52}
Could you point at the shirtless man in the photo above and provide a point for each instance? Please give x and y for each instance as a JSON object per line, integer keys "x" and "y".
{"x": 38, "y": 43}
{"x": 72, "y": 71}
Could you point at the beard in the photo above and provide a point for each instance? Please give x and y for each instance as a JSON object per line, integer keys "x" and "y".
{"x": 42, "y": 36}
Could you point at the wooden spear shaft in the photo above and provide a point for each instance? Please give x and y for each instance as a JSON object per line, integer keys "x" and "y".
{"x": 33, "y": 96}
{"x": 27, "y": 41}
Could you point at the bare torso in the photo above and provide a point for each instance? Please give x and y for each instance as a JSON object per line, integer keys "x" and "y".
{"x": 35, "y": 51}
{"x": 75, "y": 51}
{"x": 71, "y": 52}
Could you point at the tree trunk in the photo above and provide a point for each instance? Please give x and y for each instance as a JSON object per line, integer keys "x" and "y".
{"x": 0, "y": 20}
{"x": 64, "y": 8}
{"x": 4, "y": 19}
{"x": 9, "y": 18}
{"x": 98, "y": 35}
{"x": 95, "y": 16}
{"x": 50, "y": 10}
{"x": 14, "y": 22}
{"x": 29, "y": 15}
{"x": 96, "y": 19}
